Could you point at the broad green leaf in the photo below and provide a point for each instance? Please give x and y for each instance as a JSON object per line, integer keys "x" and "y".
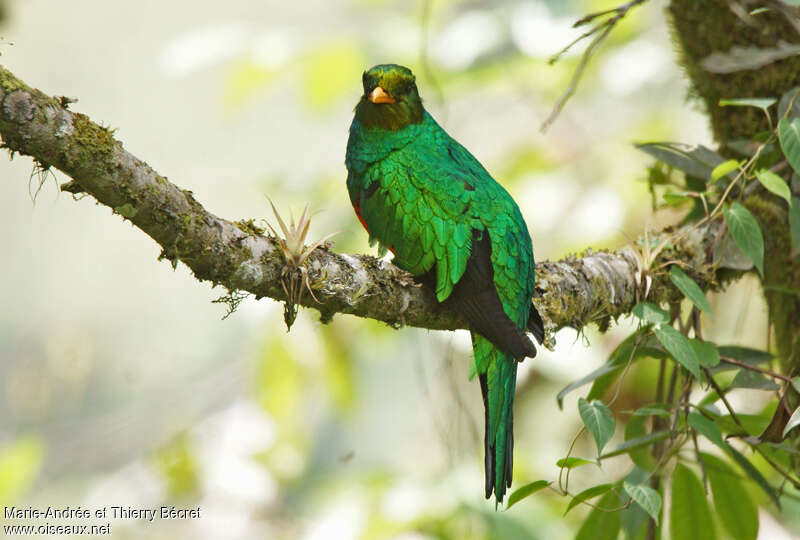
{"x": 646, "y": 497}
{"x": 724, "y": 169}
{"x": 753, "y": 473}
{"x": 794, "y": 223}
{"x": 774, "y": 184}
{"x": 598, "y": 420}
{"x": 746, "y": 233}
{"x": 796, "y": 383}
{"x": 634, "y": 444}
{"x": 750, "y": 379}
{"x": 789, "y": 136}
{"x": 689, "y": 288}
{"x": 706, "y": 352}
{"x": 706, "y": 428}
{"x": 753, "y": 424}
{"x": 599, "y": 372}
{"x": 732, "y": 502}
{"x": 634, "y": 518}
{"x": 20, "y": 463}
{"x": 649, "y": 312}
{"x": 587, "y": 494}
{"x": 635, "y": 428}
{"x": 697, "y": 161}
{"x": 525, "y": 491}
{"x": 690, "y": 517}
{"x": 792, "y": 97}
{"x": 759, "y": 103}
{"x": 676, "y": 199}
{"x": 652, "y": 410}
{"x": 601, "y": 524}
{"x": 793, "y": 422}
{"x": 678, "y": 346}
{"x": 746, "y": 355}
{"x": 572, "y": 462}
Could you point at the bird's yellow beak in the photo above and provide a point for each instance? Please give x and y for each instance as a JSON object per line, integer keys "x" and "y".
{"x": 379, "y": 95}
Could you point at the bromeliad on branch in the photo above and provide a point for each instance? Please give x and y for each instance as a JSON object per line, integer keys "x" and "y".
{"x": 423, "y": 196}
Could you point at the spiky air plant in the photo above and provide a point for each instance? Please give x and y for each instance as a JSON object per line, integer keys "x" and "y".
{"x": 294, "y": 276}
{"x": 644, "y": 265}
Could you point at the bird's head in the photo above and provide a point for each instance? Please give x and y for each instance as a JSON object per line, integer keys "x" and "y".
{"x": 391, "y": 100}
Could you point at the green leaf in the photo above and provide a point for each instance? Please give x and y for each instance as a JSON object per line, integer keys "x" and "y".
{"x": 649, "y": 312}
{"x": 796, "y": 383}
{"x": 635, "y": 428}
{"x": 749, "y": 356}
{"x": 753, "y": 473}
{"x": 678, "y": 346}
{"x": 794, "y": 223}
{"x": 597, "y": 373}
{"x": 706, "y": 428}
{"x": 723, "y": 169}
{"x": 646, "y": 497}
{"x": 791, "y": 97}
{"x": 689, "y": 288}
{"x": 750, "y": 379}
{"x": 789, "y": 136}
{"x": 706, "y": 352}
{"x": 774, "y": 184}
{"x": 759, "y": 103}
{"x": 746, "y": 233}
{"x": 634, "y": 518}
{"x": 572, "y": 462}
{"x": 676, "y": 199}
{"x": 697, "y": 161}
{"x": 587, "y": 494}
{"x": 525, "y": 491}
{"x": 601, "y": 523}
{"x": 652, "y": 410}
{"x": 732, "y": 502}
{"x": 598, "y": 420}
{"x": 689, "y": 517}
{"x": 637, "y": 443}
{"x": 793, "y": 422}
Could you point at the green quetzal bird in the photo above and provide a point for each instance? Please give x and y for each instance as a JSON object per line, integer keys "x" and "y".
{"x": 423, "y": 196}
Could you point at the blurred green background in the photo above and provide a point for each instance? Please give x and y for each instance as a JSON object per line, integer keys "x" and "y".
{"x": 121, "y": 385}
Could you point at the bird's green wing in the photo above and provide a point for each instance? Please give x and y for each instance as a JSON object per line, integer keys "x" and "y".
{"x": 417, "y": 204}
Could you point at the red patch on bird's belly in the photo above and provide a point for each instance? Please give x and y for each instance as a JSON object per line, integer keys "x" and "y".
{"x": 357, "y": 208}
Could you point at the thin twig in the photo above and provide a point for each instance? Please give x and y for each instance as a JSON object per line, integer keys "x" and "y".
{"x": 606, "y": 27}
{"x": 744, "y": 365}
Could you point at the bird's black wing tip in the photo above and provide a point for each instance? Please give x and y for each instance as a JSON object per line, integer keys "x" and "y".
{"x": 536, "y": 325}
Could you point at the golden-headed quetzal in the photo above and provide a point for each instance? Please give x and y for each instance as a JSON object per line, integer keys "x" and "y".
{"x": 423, "y": 196}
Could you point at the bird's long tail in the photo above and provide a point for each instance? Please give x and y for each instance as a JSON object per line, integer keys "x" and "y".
{"x": 497, "y": 372}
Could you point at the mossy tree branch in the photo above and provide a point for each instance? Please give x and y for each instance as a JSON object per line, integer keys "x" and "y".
{"x": 575, "y": 291}
{"x": 710, "y": 27}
